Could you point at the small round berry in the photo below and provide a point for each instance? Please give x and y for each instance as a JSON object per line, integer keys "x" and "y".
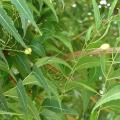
{"x": 105, "y": 46}
{"x": 28, "y": 51}
{"x": 101, "y": 92}
{"x": 100, "y": 78}
{"x": 74, "y": 5}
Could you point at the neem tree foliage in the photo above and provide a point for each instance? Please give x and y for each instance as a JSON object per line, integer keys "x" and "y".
{"x": 59, "y": 60}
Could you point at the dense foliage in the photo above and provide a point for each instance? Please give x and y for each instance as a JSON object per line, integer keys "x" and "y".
{"x": 59, "y": 60}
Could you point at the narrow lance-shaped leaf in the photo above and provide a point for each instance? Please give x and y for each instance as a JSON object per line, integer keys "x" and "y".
{"x": 96, "y": 14}
{"x": 105, "y": 33}
{"x": 49, "y": 114}
{"x": 45, "y": 83}
{"x": 51, "y": 60}
{"x": 9, "y": 113}
{"x": 24, "y": 22}
{"x": 11, "y": 93}
{"x": 103, "y": 64}
{"x": 33, "y": 110}
{"x": 41, "y": 79}
{"x": 88, "y": 34}
{"x": 32, "y": 79}
{"x": 3, "y": 103}
{"x": 3, "y": 66}
{"x": 94, "y": 116}
{"x": 119, "y": 22}
{"x": 3, "y": 57}
{"x": 112, "y": 94}
{"x": 53, "y": 105}
{"x": 112, "y": 8}
{"x": 50, "y": 5}
{"x": 22, "y": 98}
{"x": 21, "y": 61}
{"x": 8, "y": 24}
{"x": 87, "y": 87}
{"x": 25, "y": 12}
{"x": 31, "y": 107}
{"x": 64, "y": 40}
{"x": 88, "y": 62}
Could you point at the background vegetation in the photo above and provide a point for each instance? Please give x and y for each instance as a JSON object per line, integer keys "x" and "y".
{"x": 59, "y": 60}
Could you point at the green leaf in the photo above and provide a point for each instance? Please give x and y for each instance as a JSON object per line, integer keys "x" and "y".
{"x": 25, "y": 12}
{"x": 64, "y": 40}
{"x": 9, "y": 113}
{"x": 112, "y": 8}
{"x": 22, "y": 61}
{"x": 8, "y": 24}
{"x": 96, "y": 14}
{"x": 31, "y": 79}
{"x": 87, "y": 87}
{"x": 3, "y": 66}
{"x": 105, "y": 33}
{"x": 85, "y": 95}
{"x": 24, "y": 22}
{"x": 103, "y": 64}
{"x": 49, "y": 115}
{"x": 88, "y": 34}
{"x": 112, "y": 94}
{"x": 3, "y": 57}
{"x": 33, "y": 8}
{"x": 119, "y": 22}
{"x": 50, "y": 5}
{"x": 94, "y": 116}
{"x": 11, "y": 93}
{"x": 54, "y": 105}
{"x": 51, "y": 60}
{"x": 33, "y": 110}
{"x": 37, "y": 47}
{"x": 22, "y": 98}
{"x": 3, "y": 103}
{"x": 114, "y": 75}
{"x": 29, "y": 105}
{"x": 41, "y": 79}
{"x": 87, "y": 62}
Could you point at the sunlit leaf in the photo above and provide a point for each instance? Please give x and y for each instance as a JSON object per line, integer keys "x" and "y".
{"x": 96, "y": 14}
{"x": 110, "y": 95}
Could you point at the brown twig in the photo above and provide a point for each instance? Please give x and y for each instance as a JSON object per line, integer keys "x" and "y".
{"x": 95, "y": 52}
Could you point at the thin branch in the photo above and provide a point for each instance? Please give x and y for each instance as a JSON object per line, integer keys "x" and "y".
{"x": 95, "y": 52}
